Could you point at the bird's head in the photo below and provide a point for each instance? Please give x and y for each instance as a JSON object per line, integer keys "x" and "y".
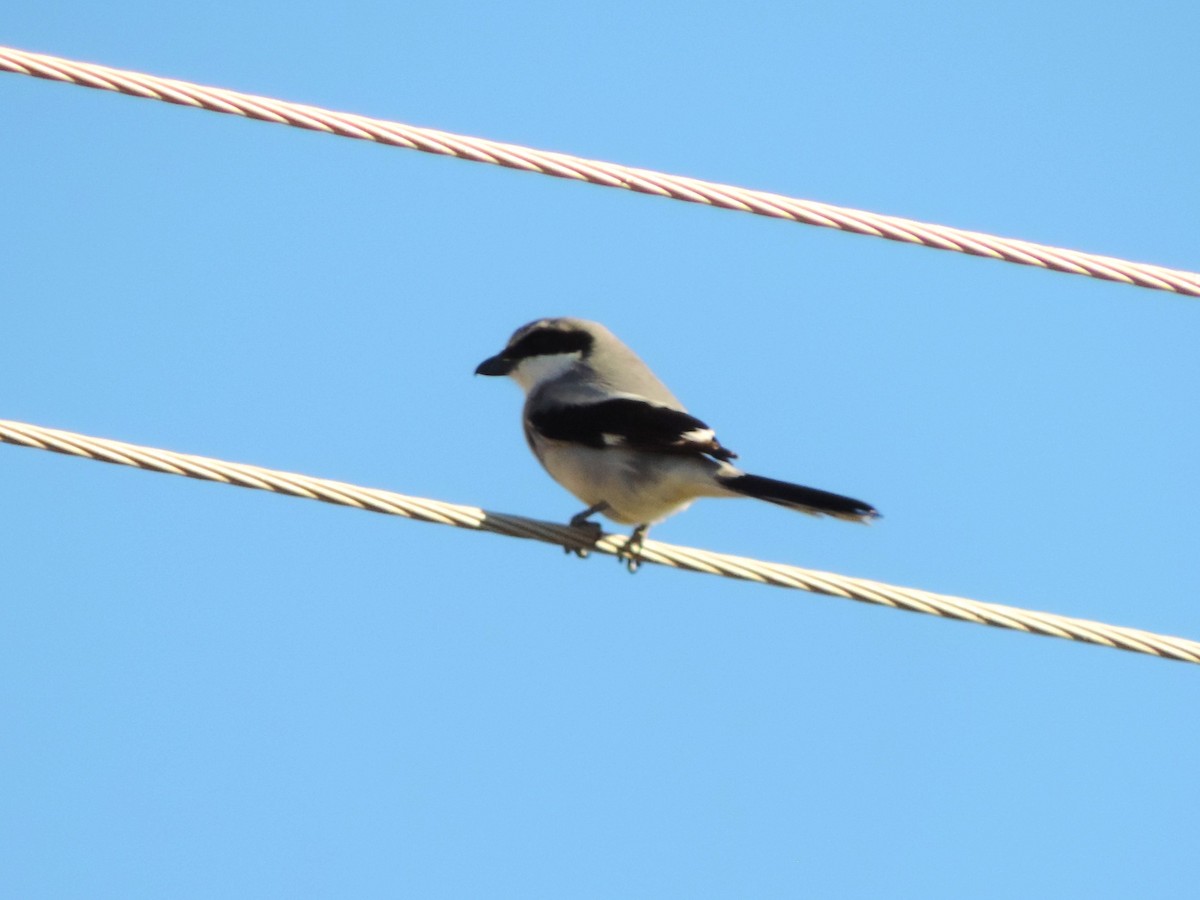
{"x": 542, "y": 350}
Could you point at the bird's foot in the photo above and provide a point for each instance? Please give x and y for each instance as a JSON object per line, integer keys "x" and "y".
{"x": 592, "y": 530}
{"x": 631, "y": 553}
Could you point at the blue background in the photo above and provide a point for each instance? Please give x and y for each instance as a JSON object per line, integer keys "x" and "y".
{"x": 216, "y": 692}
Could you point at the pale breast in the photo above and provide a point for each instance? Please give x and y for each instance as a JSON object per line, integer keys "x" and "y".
{"x": 638, "y": 487}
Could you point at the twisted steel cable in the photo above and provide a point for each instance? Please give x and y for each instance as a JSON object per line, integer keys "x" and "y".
{"x": 708, "y": 562}
{"x": 593, "y": 171}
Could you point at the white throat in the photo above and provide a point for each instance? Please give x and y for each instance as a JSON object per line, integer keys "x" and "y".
{"x": 534, "y": 371}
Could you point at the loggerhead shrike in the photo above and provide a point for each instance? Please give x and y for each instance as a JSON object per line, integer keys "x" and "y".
{"x": 605, "y": 428}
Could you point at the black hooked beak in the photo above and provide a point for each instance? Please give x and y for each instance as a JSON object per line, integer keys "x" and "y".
{"x": 494, "y": 365}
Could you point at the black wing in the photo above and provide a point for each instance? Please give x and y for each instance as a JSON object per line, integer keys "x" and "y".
{"x": 628, "y": 422}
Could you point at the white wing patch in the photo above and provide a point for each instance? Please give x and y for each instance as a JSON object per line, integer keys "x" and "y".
{"x": 698, "y": 436}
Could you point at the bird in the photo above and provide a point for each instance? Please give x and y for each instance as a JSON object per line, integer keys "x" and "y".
{"x": 608, "y": 430}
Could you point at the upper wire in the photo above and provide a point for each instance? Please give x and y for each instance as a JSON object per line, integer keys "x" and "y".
{"x": 561, "y": 165}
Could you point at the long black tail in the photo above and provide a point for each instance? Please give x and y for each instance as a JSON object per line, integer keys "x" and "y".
{"x": 805, "y": 499}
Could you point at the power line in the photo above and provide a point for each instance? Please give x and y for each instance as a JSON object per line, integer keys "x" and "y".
{"x": 561, "y": 165}
{"x": 643, "y": 181}
{"x": 708, "y": 562}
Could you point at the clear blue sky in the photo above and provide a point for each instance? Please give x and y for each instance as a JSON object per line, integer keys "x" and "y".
{"x": 207, "y": 691}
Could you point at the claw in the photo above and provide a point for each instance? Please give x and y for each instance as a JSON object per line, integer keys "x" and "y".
{"x": 631, "y": 553}
{"x": 591, "y": 529}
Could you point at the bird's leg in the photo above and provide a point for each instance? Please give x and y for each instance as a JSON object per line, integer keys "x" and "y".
{"x": 632, "y": 552}
{"x": 580, "y": 521}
